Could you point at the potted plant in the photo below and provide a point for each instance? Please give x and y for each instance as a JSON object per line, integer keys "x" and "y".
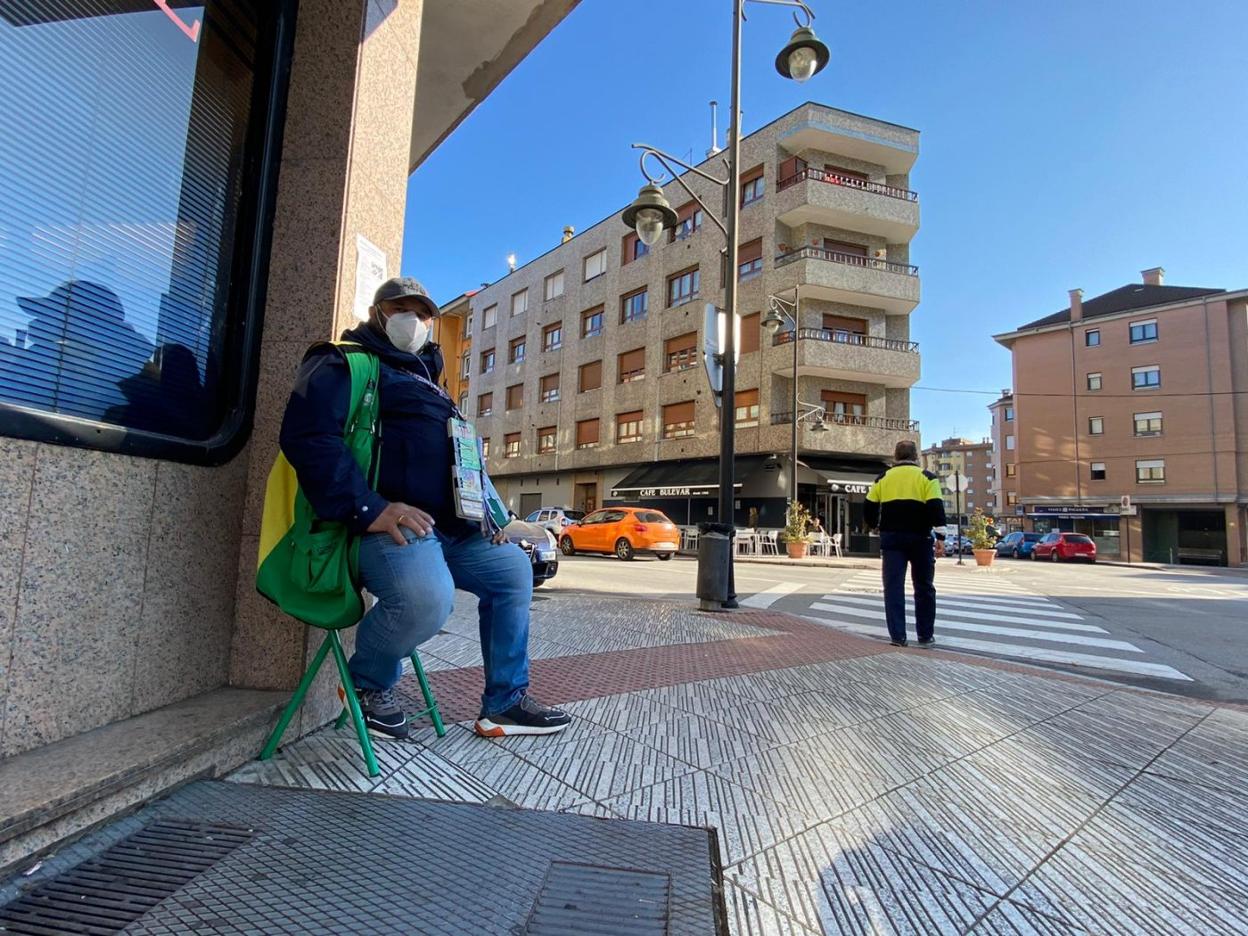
{"x": 982, "y": 542}
{"x": 796, "y": 520}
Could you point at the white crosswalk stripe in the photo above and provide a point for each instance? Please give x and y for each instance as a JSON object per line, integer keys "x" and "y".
{"x": 1023, "y": 626}
{"x": 769, "y": 596}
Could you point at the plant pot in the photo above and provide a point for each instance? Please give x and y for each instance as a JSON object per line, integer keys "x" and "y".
{"x": 984, "y": 557}
{"x": 796, "y": 548}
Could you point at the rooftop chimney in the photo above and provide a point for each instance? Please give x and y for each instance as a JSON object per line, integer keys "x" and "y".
{"x": 1076, "y": 305}
{"x": 568, "y": 232}
{"x": 714, "y": 150}
{"x": 1154, "y": 277}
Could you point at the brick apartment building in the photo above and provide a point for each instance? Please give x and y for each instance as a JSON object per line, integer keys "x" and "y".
{"x": 969, "y": 460}
{"x": 1139, "y": 392}
{"x": 1003, "y": 485}
{"x": 584, "y": 368}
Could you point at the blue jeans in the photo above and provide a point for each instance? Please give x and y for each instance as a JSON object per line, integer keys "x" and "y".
{"x": 414, "y": 586}
{"x": 916, "y": 550}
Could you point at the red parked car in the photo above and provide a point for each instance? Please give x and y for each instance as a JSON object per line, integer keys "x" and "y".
{"x": 1063, "y": 547}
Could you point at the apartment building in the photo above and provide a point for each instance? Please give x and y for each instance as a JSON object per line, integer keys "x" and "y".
{"x": 1139, "y": 395}
{"x": 1003, "y": 484}
{"x": 971, "y": 463}
{"x": 585, "y": 365}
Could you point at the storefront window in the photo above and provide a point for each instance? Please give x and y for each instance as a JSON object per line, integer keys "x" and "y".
{"x": 130, "y": 172}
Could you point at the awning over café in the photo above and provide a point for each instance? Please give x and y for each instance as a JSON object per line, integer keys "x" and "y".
{"x": 677, "y": 479}
{"x": 847, "y": 482}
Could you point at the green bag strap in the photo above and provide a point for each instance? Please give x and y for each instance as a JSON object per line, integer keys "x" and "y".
{"x": 362, "y": 432}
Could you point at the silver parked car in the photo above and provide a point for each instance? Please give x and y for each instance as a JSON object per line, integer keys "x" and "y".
{"x": 555, "y": 518}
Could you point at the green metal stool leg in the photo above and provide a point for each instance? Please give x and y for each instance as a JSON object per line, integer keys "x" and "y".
{"x": 296, "y": 700}
{"x": 434, "y": 714}
{"x": 366, "y": 744}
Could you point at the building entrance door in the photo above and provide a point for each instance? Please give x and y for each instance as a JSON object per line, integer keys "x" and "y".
{"x": 586, "y": 497}
{"x": 530, "y": 502}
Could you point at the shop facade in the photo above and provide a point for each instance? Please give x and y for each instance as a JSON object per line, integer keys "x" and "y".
{"x": 1177, "y": 534}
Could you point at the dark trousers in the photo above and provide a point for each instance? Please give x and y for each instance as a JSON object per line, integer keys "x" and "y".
{"x": 916, "y": 550}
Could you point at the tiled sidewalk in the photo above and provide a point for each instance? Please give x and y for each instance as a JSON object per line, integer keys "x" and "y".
{"x": 855, "y": 788}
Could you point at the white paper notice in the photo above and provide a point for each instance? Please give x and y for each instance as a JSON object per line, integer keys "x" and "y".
{"x": 370, "y": 273}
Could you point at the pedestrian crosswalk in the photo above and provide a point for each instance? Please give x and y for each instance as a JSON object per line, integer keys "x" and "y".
{"x": 996, "y": 617}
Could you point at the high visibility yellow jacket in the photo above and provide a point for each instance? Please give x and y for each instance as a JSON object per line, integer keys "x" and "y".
{"x": 905, "y": 499}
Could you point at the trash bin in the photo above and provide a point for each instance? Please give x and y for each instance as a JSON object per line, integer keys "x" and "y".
{"x": 714, "y": 555}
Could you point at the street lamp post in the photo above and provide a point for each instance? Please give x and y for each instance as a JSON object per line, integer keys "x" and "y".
{"x": 650, "y": 215}
{"x": 778, "y": 310}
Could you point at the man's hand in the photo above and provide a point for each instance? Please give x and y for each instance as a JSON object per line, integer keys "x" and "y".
{"x": 398, "y": 515}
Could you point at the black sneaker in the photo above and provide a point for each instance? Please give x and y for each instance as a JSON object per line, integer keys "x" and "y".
{"x": 383, "y": 715}
{"x": 900, "y": 643}
{"x": 928, "y": 642}
{"x": 526, "y": 717}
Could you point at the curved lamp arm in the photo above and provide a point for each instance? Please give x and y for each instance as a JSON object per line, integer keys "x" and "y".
{"x": 664, "y": 160}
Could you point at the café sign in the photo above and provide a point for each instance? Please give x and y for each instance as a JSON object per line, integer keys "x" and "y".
{"x": 850, "y": 487}
{"x": 673, "y": 492}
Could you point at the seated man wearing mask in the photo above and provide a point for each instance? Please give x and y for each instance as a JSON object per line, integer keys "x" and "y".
{"x": 415, "y": 549}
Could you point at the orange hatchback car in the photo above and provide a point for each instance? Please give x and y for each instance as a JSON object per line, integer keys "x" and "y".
{"x": 624, "y": 531}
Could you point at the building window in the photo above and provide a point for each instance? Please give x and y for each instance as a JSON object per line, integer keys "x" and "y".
{"x": 589, "y": 376}
{"x": 1009, "y": 414}
{"x": 132, "y": 164}
{"x": 1011, "y": 471}
{"x": 632, "y": 248}
{"x": 487, "y": 361}
{"x": 635, "y": 305}
{"x": 1009, "y": 443}
{"x": 552, "y": 336}
{"x": 587, "y": 433}
{"x": 462, "y": 403}
{"x": 511, "y": 445}
{"x": 465, "y": 365}
{"x": 678, "y": 420}
{"x": 515, "y": 396}
{"x": 628, "y": 427}
{"x": 550, "y": 388}
{"x": 554, "y": 285}
{"x": 745, "y": 414}
{"x": 485, "y": 404}
{"x": 680, "y": 353}
{"x": 1098, "y": 471}
{"x": 753, "y": 186}
{"x": 750, "y": 260}
{"x": 1096, "y": 425}
{"x": 591, "y": 322}
{"x": 490, "y": 316}
{"x": 1150, "y": 471}
{"x": 1011, "y": 498}
{"x": 1148, "y": 424}
{"x": 1145, "y": 378}
{"x": 1092, "y": 338}
{"x": 595, "y": 264}
{"x": 546, "y": 440}
{"x": 520, "y": 302}
{"x": 688, "y": 222}
{"x": 468, "y": 325}
{"x": 515, "y": 350}
{"x": 632, "y": 365}
{"x": 1094, "y": 381}
{"x": 750, "y": 330}
{"x": 485, "y": 447}
{"x": 1142, "y": 332}
{"x": 844, "y": 409}
{"x": 683, "y": 287}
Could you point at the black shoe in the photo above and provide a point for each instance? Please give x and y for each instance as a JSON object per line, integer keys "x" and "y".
{"x": 928, "y": 642}
{"x": 900, "y": 643}
{"x": 526, "y": 717}
{"x": 383, "y": 715}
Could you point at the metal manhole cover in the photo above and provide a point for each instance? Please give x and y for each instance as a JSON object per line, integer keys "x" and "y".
{"x": 107, "y": 893}
{"x": 583, "y": 899}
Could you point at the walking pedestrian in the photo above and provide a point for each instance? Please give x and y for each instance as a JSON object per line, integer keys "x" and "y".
{"x": 905, "y": 503}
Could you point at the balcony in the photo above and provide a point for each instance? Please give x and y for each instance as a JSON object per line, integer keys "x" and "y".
{"x": 816, "y": 196}
{"x": 839, "y": 355}
{"x": 859, "y": 435}
{"x": 849, "y": 278}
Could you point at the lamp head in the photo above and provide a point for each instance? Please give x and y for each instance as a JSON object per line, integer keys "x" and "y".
{"x": 804, "y": 57}
{"x": 649, "y": 214}
{"x": 772, "y": 321}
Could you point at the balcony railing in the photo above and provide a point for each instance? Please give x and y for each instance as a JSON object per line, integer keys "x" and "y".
{"x": 833, "y": 256}
{"x": 846, "y": 419}
{"x": 810, "y": 174}
{"x": 838, "y": 336}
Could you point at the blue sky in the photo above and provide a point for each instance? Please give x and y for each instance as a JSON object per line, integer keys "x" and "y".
{"x": 1064, "y": 144}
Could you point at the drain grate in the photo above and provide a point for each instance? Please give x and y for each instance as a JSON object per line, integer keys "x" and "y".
{"x": 582, "y": 899}
{"x": 109, "y": 892}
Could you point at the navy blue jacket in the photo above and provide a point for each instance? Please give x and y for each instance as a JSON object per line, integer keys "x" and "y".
{"x": 415, "y": 452}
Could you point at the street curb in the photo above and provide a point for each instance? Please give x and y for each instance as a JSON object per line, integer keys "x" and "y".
{"x": 807, "y": 563}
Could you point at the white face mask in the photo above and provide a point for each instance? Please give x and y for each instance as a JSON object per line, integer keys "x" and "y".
{"x": 407, "y": 332}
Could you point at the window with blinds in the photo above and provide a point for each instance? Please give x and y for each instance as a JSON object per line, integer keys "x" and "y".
{"x": 628, "y": 426}
{"x": 746, "y": 410}
{"x": 590, "y": 376}
{"x": 632, "y": 365}
{"x": 134, "y": 213}
{"x": 678, "y": 420}
{"x": 751, "y": 326}
{"x": 485, "y": 404}
{"x": 511, "y": 445}
{"x": 546, "y": 440}
{"x": 680, "y": 353}
{"x": 515, "y": 396}
{"x": 844, "y": 408}
{"x": 587, "y": 433}
{"x": 550, "y": 388}
{"x": 750, "y": 259}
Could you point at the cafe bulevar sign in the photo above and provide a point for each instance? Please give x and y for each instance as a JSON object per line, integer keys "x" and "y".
{"x": 685, "y": 491}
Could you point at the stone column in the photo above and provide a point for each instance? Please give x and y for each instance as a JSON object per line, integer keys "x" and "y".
{"x": 344, "y": 172}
